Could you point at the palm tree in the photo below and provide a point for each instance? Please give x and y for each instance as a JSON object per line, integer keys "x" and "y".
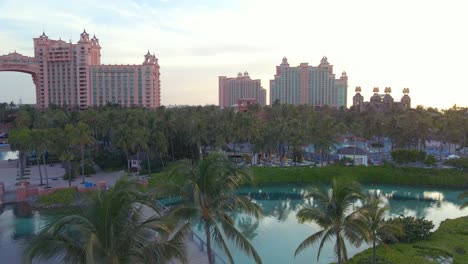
{"x": 83, "y": 139}
{"x": 123, "y": 140}
{"x": 62, "y": 144}
{"x": 45, "y": 143}
{"x": 20, "y": 140}
{"x": 67, "y": 158}
{"x": 139, "y": 141}
{"x": 333, "y": 213}
{"x": 372, "y": 217}
{"x": 36, "y": 145}
{"x": 208, "y": 189}
{"x": 121, "y": 225}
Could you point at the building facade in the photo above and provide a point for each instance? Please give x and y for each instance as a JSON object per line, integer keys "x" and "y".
{"x": 381, "y": 102}
{"x": 304, "y": 84}
{"x": 232, "y": 90}
{"x": 72, "y": 75}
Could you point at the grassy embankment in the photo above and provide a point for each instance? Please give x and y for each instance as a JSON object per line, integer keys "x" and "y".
{"x": 449, "y": 178}
{"x": 449, "y": 240}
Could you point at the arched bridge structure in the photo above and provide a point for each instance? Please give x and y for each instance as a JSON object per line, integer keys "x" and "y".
{"x": 19, "y": 63}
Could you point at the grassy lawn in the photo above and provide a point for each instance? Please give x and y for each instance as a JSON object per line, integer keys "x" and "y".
{"x": 450, "y": 178}
{"x": 450, "y": 240}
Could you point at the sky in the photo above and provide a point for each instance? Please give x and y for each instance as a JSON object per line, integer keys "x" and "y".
{"x": 419, "y": 44}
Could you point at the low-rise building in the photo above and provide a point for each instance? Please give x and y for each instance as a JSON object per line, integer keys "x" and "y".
{"x": 357, "y": 155}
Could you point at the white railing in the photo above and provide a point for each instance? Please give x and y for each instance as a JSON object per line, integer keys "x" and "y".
{"x": 203, "y": 248}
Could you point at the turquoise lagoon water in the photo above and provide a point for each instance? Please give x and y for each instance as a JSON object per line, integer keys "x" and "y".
{"x": 278, "y": 233}
{"x": 17, "y": 222}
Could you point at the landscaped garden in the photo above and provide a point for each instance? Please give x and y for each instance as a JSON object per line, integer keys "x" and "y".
{"x": 386, "y": 174}
{"x": 245, "y": 214}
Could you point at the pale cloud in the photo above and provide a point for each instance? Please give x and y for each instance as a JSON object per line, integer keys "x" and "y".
{"x": 415, "y": 44}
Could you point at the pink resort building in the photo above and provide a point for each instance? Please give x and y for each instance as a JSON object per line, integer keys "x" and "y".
{"x": 311, "y": 85}
{"x": 240, "y": 88}
{"x": 72, "y": 75}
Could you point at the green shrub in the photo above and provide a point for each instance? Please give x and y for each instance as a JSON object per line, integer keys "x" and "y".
{"x": 345, "y": 162}
{"x": 430, "y": 160}
{"x": 64, "y": 196}
{"x": 110, "y": 159}
{"x": 415, "y": 229}
{"x": 75, "y": 166}
{"x": 89, "y": 167}
{"x": 155, "y": 166}
{"x": 461, "y": 163}
{"x": 363, "y": 175}
{"x": 401, "y": 156}
{"x": 450, "y": 240}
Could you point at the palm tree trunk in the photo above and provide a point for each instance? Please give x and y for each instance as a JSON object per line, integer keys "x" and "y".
{"x": 200, "y": 152}
{"x": 82, "y": 164}
{"x": 149, "y": 165}
{"x": 172, "y": 149}
{"x": 354, "y": 153}
{"x": 139, "y": 162}
{"x": 69, "y": 173}
{"x": 128, "y": 164}
{"x": 208, "y": 244}
{"x": 45, "y": 170}
{"x": 338, "y": 252}
{"x": 162, "y": 161}
{"x": 21, "y": 164}
{"x": 373, "y": 252}
{"x": 321, "y": 156}
{"x": 39, "y": 168}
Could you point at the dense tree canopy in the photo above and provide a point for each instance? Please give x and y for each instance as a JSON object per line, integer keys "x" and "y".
{"x": 185, "y": 132}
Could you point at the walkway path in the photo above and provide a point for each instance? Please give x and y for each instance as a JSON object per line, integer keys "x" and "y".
{"x": 55, "y": 173}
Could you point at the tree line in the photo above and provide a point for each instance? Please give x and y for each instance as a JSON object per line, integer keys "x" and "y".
{"x": 168, "y": 134}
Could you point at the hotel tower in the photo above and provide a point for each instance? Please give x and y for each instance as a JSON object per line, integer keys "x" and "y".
{"x": 72, "y": 75}
{"x": 240, "y": 88}
{"x": 304, "y": 84}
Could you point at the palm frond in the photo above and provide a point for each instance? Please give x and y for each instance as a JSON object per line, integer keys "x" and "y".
{"x": 308, "y": 242}
{"x": 118, "y": 226}
{"x": 314, "y": 214}
{"x": 239, "y": 239}
{"x": 327, "y": 236}
{"x": 340, "y": 249}
{"x": 218, "y": 238}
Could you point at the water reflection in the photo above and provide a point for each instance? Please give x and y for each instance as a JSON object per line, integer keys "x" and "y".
{"x": 277, "y": 234}
{"x": 248, "y": 226}
{"x": 23, "y": 226}
{"x": 278, "y": 202}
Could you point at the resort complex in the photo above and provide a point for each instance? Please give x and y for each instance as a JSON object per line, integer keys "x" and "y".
{"x": 227, "y": 170}
{"x": 71, "y": 75}
{"x": 264, "y": 161}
